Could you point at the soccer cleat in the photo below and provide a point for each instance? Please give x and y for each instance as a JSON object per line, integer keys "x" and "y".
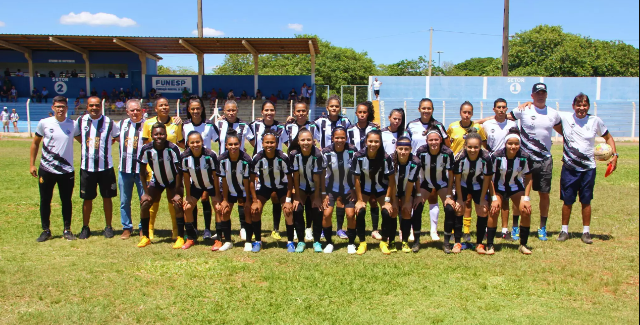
{"x": 275, "y": 235}
{"x": 563, "y": 236}
{"x": 586, "y": 238}
{"x": 466, "y": 237}
{"x": 515, "y": 233}
{"x": 44, "y": 236}
{"x": 179, "y": 242}
{"x": 301, "y": 246}
{"x": 446, "y": 248}
{"x": 342, "y": 234}
{"x": 376, "y": 235}
{"x": 411, "y": 238}
{"x": 542, "y": 234}
{"x": 247, "y": 247}
{"x": 416, "y": 247}
{"x": 85, "y": 233}
{"x": 151, "y": 233}
{"x": 392, "y": 247}
{"x": 188, "y": 244}
{"x": 490, "y": 250}
{"x": 256, "y": 246}
{"x": 384, "y": 247}
{"x": 227, "y": 246}
{"x": 207, "y": 234}
{"x": 317, "y": 247}
{"x": 507, "y": 236}
{"x": 524, "y": 250}
{"x": 351, "y": 249}
{"x": 308, "y": 234}
{"x": 362, "y": 249}
{"x": 144, "y": 241}
{"x": 108, "y": 232}
{"x": 216, "y": 246}
{"x": 328, "y": 249}
{"x": 243, "y": 234}
{"x": 405, "y": 247}
{"x": 68, "y": 235}
{"x": 291, "y": 247}
{"x": 457, "y": 248}
{"x": 480, "y": 249}
{"x": 434, "y": 235}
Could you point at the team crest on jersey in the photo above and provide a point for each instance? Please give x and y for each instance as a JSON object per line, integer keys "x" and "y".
{"x": 172, "y": 131}
{"x": 533, "y": 117}
{"x": 86, "y": 128}
{"x": 393, "y": 141}
{"x": 424, "y": 132}
{"x": 51, "y": 130}
{"x": 68, "y": 132}
{"x": 493, "y": 131}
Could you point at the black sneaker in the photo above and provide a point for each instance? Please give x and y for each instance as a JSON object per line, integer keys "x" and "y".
{"x": 416, "y": 247}
{"x": 68, "y": 235}
{"x": 563, "y": 236}
{"x": 108, "y": 232}
{"x": 85, "y": 233}
{"x": 44, "y": 236}
{"x": 586, "y": 238}
{"x": 507, "y": 236}
{"x": 466, "y": 238}
{"x": 446, "y": 247}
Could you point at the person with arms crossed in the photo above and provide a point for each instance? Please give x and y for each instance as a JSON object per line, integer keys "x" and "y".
{"x": 56, "y": 165}
{"x": 579, "y": 130}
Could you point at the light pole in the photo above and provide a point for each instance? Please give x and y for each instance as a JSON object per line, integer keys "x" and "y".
{"x": 439, "y": 52}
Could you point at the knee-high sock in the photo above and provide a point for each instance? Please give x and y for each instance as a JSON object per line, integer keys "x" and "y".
{"x": 375, "y": 217}
{"x": 361, "y": 224}
{"x": 416, "y": 222}
{"x": 481, "y": 229}
{"x": 385, "y": 228}
{"x": 298, "y": 222}
{"x": 277, "y": 213}
{"x": 405, "y": 228}
{"x": 316, "y": 216}
{"x": 257, "y": 230}
{"x": 328, "y": 233}
{"x": 340, "y": 212}
{"x": 524, "y": 235}
{"x": 308, "y": 213}
{"x": 434, "y": 212}
{"x": 457, "y": 229}
{"x": 226, "y": 230}
{"x": 219, "y": 230}
{"x": 351, "y": 234}
{"x": 290, "y": 231}
{"x": 144, "y": 227}
{"x": 243, "y": 223}
{"x": 206, "y": 211}
{"x": 174, "y": 222}
{"x": 191, "y": 231}
{"x": 195, "y": 216}
{"x": 449, "y": 222}
{"x": 392, "y": 225}
{"x": 516, "y": 220}
{"x": 180, "y": 222}
{"x": 491, "y": 235}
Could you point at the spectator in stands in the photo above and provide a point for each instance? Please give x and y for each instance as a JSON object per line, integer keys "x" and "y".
{"x": 214, "y": 94}
{"x": 258, "y": 94}
{"x": 52, "y": 74}
{"x": 152, "y": 94}
{"x": 303, "y": 92}
{"x": 185, "y": 93}
{"x": 61, "y": 74}
{"x": 45, "y": 94}
{"x": 7, "y": 82}
{"x": 230, "y": 95}
{"x": 111, "y": 75}
{"x": 127, "y": 94}
{"x": 119, "y": 105}
{"x": 293, "y": 95}
{"x": 94, "y": 92}
{"x": 67, "y": 74}
{"x": 122, "y": 94}
{"x": 244, "y": 95}
{"x": 4, "y": 94}
{"x": 220, "y": 94}
{"x": 82, "y": 93}
{"x": 273, "y": 99}
{"x": 136, "y": 94}
{"x": 205, "y": 95}
{"x": 7, "y": 73}
{"x": 309, "y": 93}
{"x": 114, "y": 95}
{"x": 35, "y": 95}
{"x": 19, "y": 73}
{"x": 13, "y": 94}
{"x": 74, "y": 74}
{"x": 36, "y": 74}
{"x": 122, "y": 74}
{"x": 280, "y": 95}
{"x": 76, "y": 107}
{"x": 104, "y": 95}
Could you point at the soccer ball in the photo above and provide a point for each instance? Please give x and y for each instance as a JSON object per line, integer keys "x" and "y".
{"x": 603, "y": 152}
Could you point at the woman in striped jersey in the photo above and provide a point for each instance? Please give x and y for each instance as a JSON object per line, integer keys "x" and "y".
{"x": 395, "y": 129}
{"x": 197, "y": 121}
{"x": 436, "y": 161}
{"x": 307, "y": 164}
{"x": 407, "y": 169}
{"x": 234, "y": 166}
{"x": 512, "y": 180}
{"x": 163, "y": 157}
{"x": 272, "y": 171}
{"x": 373, "y": 171}
{"x": 337, "y": 187}
{"x": 472, "y": 172}
{"x": 199, "y": 166}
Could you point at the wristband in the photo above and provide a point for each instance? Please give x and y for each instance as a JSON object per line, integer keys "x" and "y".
{"x": 324, "y": 193}
{"x": 448, "y": 196}
{"x": 494, "y": 198}
{"x": 387, "y": 199}
{"x": 419, "y": 194}
{"x": 526, "y": 198}
{"x": 288, "y": 200}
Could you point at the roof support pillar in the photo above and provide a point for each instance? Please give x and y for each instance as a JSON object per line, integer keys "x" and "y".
{"x": 255, "y": 64}
{"x": 200, "y": 55}
{"x": 312, "y": 51}
{"x": 27, "y": 54}
{"x": 85, "y": 56}
{"x": 143, "y": 60}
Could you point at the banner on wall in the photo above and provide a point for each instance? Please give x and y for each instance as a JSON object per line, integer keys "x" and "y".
{"x": 171, "y": 84}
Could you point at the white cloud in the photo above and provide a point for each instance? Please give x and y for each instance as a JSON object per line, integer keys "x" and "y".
{"x": 296, "y": 27}
{"x": 98, "y": 19}
{"x": 208, "y": 32}
{"x": 1, "y": 23}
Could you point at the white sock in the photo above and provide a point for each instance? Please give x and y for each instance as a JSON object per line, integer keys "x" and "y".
{"x": 505, "y": 230}
{"x": 585, "y": 229}
{"x": 434, "y": 211}
{"x": 565, "y": 228}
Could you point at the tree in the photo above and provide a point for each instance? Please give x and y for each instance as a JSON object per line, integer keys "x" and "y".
{"x": 477, "y": 67}
{"x": 418, "y": 67}
{"x": 180, "y": 70}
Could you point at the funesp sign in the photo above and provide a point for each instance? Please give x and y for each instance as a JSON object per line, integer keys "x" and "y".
{"x": 171, "y": 84}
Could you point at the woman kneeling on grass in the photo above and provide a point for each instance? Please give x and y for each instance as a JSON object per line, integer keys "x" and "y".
{"x": 199, "y": 166}
{"x": 163, "y": 158}
{"x": 510, "y": 164}
{"x": 473, "y": 170}
{"x": 270, "y": 167}
{"x": 373, "y": 171}
{"x": 233, "y": 168}
{"x": 407, "y": 169}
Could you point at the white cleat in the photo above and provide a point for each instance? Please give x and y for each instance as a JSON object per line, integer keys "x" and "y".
{"x": 351, "y": 249}
{"x": 227, "y": 246}
{"x": 243, "y": 234}
{"x": 411, "y": 238}
{"x": 308, "y": 234}
{"x": 328, "y": 249}
{"x": 247, "y": 247}
{"x": 434, "y": 235}
{"x": 376, "y": 235}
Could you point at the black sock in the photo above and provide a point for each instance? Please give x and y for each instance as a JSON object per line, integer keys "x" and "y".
{"x": 316, "y": 216}
{"x": 308, "y": 213}
{"x": 361, "y": 224}
{"x": 543, "y": 221}
{"x": 491, "y": 235}
{"x": 375, "y": 216}
{"x": 457, "y": 229}
{"x": 524, "y": 235}
{"x": 392, "y": 225}
{"x": 226, "y": 230}
{"x": 195, "y": 216}
{"x": 206, "y": 211}
{"x": 416, "y": 222}
{"x": 328, "y": 233}
{"x": 257, "y": 230}
{"x": 385, "y": 228}
{"x": 449, "y": 219}
{"x": 191, "y": 231}
{"x": 180, "y": 223}
{"x": 219, "y": 230}
{"x": 351, "y": 234}
{"x": 144, "y": 227}
{"x": 340, "y": 212}
{"x": 277, "y": 213}
{"x": 447, "y": 237}
{"x": 298, "y": 222}
{"x": 516, "y": 220}
{"x": 243, "y": 223}
{"x": 290, "y": 231}
{"x": 405, "y": 228}
{"x": 481, "y": 229}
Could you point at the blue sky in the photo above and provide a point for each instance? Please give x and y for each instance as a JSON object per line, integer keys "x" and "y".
{"x": 388, "y": 33}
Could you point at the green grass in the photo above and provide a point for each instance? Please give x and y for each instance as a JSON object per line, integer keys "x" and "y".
{"x": 111, "y": 281}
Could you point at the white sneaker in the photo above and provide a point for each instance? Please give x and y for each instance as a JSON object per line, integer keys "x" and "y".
{"x": 214, "y": 237}
{"x": 247, "y": 247}
{"x": 227, "y": 246}
{"x": 376, "y": 235}
{"x": 328, "y": 249}
{"x": 411, "y": 238}
{"x": 308, "y": 234}
{"x": 351, "y": 249}
{"x": 243, "y": 234}
{"x": 434, "y": 235}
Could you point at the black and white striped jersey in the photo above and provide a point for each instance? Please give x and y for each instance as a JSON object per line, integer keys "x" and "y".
{"x": 307, "y": 166}
{"x": 271, "y": 173}
{"x": 96, "y": 140}
{"x": 200, "y": 169}
{"x": 536, "y": 126}
{"x": 509, "y": 173}
{"x": 223, "y": 126}
{"x": 130, "y": 145}
{"x": 324, "y": 127}
{"x": 294, "y": 128}
{"x": 357, "y": 135}
{"x": 361, "y": 167}
{"x": 258, "y": 128}
{"x": 206, "y": 130}
{"x": 235, "y": 172}
{"x": 579, "y": 140}
{"x": 406, "y": 173}
{"x": 418, "y": 132}
{"x": 472, "y": 172}
{"x": 338, "y": 166}
{"x": 165, "y": 164}
{"x": 435, "y": 168}
{"x": 389, "y": 140}
{"x": 57, "y": 144}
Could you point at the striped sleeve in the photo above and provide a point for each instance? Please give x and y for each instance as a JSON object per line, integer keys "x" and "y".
{"x": 388, "y": 166}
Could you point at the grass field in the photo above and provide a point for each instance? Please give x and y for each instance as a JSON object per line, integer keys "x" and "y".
{"x": 111, "y": 281}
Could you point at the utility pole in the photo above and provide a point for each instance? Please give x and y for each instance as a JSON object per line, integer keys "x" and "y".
{"x": 430, "y": 49}
{"x": 200, "y": 34}
{"x": 505, "y": 40}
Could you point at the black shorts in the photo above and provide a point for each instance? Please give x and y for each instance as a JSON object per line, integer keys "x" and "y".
{"x": 266, "y": 192}
{"x": 541, "y": 175}
{"x": 376, "y": 92}
{"x": 234, "y": 199}
{"x": 475, "y": 194}
{"x": 506, "y": 195}
{"x": 425, "y": 185}
{"x": 89, "y": 181}
{"x": 333, "y": 197}
{"x": 197, "y": 193}
{"x": 375, "y": 195}
{"x": 160, "y": 187}
{"x": 574, "y": 183}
